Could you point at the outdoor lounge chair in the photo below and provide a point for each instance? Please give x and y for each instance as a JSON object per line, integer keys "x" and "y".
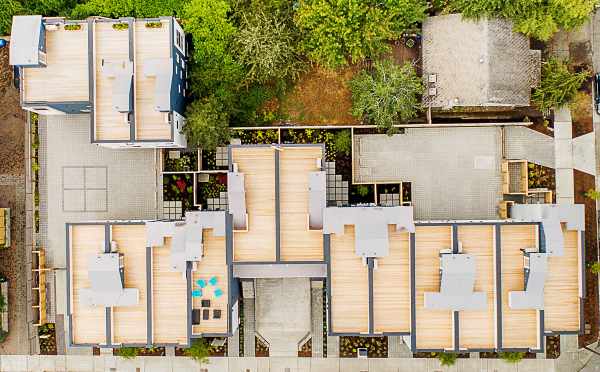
{"x": 216, "y": 314}
{"x": 205, "y": 314}
{"x": 205, "y": 303}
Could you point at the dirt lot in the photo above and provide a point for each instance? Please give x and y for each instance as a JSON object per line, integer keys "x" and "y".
{"x": 12, "y": 195}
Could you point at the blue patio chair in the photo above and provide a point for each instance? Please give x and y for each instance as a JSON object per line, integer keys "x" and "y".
{"x": 201, "y": 283}
{"x": 213, "y": 281}
{"x": 196, "y": 293}
{"x": 218, "y": 292}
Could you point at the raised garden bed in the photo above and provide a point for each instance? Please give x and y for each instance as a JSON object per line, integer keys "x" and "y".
{"x": 361, "y": 194}
{"x": 552, "y": 347}
{"x": 47, "y": 336}
{"x": 308, "y": 136}
{"x": 306, "y": 349}
{"x": 214, "y": 351}
{"x": 257, "y": 136}
{"x": 377, "y": 347}
{"x": 180, "y": 160}
{"x": 494, "y": 355}
{"x": 540, "y": 177}
{"x": 179, "y": 187}
{"x": 583, "y": 183}
{"x": 261, "y": 350}
{"x": 425, "y": 354}
{"x": 211, "y": 189}
{"x": 144, "y": 351}
{"x": 324, "y": 319}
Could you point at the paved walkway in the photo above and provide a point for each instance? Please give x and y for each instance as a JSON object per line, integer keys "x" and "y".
{"x": 283, "y": 313}
{"x": 172, "y": 364}
{"x": 316, "y": 304}
{"x": 524, "y": 143}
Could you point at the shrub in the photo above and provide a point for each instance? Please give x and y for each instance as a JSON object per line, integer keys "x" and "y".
{"x": 447, "y": 359}
{"x": 592, "y": 194}
{"x": 153, "y": 24}
{"x": 120, "y": 26}
{"x": 72, "y": 27}
{"x": 8, "y": 9}
{"x": 128, "y": 352}
{"x": 267, "y": 46}
{"x": 595, "y": 267}
{"x": 207, "y": 124}
{"x": 3, "y": 335}
{"x": 199, "y": 351}
{"x": 2, "y": 303}
{"x": 536, "y": 18}
{"x": 343, "y": 142}
{"x": 362, "y": 190}
{"x": 390, "y": 94}
{"x": 512, "y": 357}
{"x": 334, "y": 30}
{"x": 558, "y": 85}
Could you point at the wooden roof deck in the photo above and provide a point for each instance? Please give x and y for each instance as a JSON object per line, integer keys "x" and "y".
{"x": 150, "y": 43}
{"x": 258, "y": 166}
{"x": 298, "y": 243}
{"x": 477, "y": 328}
{"x": 65, "y": 77}
{"x": 169, "y": 298}
{"x": 434, "y": 328}
{"x": 391, "y": 286}
{"x": 129, "y": 322}
{"x": 561, "y": 293}
{"x": 111, "y": 46}
{"x": 349, "y": 286}
{"x": 213, "y": 263}
{"x": 520, "y": 328}
{"x": 89, "y": 323}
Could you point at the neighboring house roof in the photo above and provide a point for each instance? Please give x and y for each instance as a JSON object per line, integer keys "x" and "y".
{"x": 25, "y": 40}
{"x": 478, "y": 63}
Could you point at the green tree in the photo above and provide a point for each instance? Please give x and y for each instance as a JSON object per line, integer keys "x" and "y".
{"x": 267, "y": 46}
{"x": 128, "y": 352}
{"x": 207, "y": 124}
{"x": 512, "y": 356}
{"x": 594, "y": 267}
{"x": 3, "y": 335}
{"x": 388, "y": 95}
{"x": 536, "y": 18}
{"x": 8, "y": 9}
{"x": 199, "y": 351}
{"x": 447, "y": 359}
{"x": 558, "y": 84}
{"x": 334, "y": 30}
{"x": 593, "y": 194}
{"x": 214, "y": 71}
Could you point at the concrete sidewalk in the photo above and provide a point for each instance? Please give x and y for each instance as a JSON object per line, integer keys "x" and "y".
{"x": 23, "y": 363}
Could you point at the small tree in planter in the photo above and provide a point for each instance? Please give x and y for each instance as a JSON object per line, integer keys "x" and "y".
{"x": 512, "y": 356}
{"x": 199, "y": 351}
